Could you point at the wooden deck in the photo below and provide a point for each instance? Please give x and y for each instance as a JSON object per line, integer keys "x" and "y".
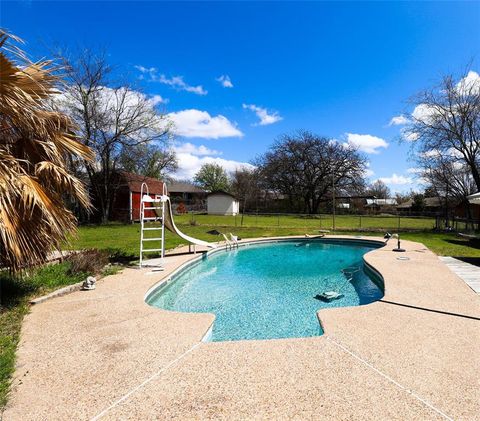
{"x": 466, "y": 271}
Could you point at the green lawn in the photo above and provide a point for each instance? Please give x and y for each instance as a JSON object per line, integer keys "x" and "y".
{"x": 123, "y": 240}
{"x": 346, "y": 222}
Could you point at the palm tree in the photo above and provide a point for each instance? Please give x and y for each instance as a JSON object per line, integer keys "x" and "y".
{"x": 36, "y": 145}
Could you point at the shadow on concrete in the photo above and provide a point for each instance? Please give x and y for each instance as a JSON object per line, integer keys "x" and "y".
{"x": 465, "y": 316}
{"x": 472, "y": 260}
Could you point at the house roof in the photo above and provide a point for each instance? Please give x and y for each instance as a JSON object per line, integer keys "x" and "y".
{"x": 430, "y": 202}
{"x": 221, "y": 193}
{"x": 406, "y": 205}
{"x": 134, "y": 182}
{"x": 381, "y": 202}
{"x": 182, "y": 187}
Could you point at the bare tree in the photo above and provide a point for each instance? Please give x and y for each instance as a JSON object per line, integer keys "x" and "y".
{"x": 149, "y": 160}
{"x": 112, "y": 118}
{"x": 379, "y": 189}
{"x": 245, "y": 185}
{"x": 446, "y": 122}
{"x": 305, "y": 167}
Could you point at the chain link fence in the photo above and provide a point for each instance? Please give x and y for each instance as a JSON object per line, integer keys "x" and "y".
{"x": 313, "y": 222}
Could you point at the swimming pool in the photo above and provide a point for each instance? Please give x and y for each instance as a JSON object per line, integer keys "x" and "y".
{"x": 267, "y": 290}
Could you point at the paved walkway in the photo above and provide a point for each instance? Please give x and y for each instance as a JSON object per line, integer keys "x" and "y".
{"x": 106, "y": 354}
{"x": 466, "y": 271}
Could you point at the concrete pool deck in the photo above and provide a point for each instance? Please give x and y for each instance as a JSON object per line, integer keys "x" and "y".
{"x": 106, "y": 354}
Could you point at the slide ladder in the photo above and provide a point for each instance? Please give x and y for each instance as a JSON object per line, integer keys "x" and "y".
{"x": 162, "y": 208}
{"x": 149, "y": 204}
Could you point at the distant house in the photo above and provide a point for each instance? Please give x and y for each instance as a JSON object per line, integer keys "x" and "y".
{"x": 383, "y": 205}
{"x": 431, "y": 205}
{"x": 222, "y": 203}
{"x": 191, "y": 196}
{"x": 126, "y": 204}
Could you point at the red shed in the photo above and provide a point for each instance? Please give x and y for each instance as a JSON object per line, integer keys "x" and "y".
{"x": 126, "y": 206}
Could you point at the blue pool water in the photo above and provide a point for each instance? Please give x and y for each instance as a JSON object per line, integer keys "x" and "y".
{"x": 267, "y": 290}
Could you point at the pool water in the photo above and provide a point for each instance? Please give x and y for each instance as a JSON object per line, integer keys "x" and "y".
{"x": 267, "y": 290}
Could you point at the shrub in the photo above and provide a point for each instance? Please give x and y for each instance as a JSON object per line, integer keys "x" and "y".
{"x": 88, "y": 261}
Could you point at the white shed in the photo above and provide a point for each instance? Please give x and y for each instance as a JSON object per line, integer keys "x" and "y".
{"x": 222, "y": 203}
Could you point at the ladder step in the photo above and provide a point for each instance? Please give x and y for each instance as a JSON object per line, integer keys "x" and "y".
{"x": 152, "y": 229}
{"x": 145, "y": 250}
{"x": 152, "y": 218}
{"x": 152, "y": 208}
{"x": 152, "y": 239}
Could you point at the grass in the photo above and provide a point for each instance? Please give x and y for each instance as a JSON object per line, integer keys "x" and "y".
{"x": 16, "y": 293}
{"x": 123, "y": 240}
{"x": 346, "y": 222}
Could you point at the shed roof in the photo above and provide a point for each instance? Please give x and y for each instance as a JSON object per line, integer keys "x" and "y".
{"x": 221, "y": 193}
{"x": 134, "y": 182}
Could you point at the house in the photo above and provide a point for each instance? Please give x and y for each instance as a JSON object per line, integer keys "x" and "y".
{"x": 383, "y": 205}
{"x": 192, "y": 197}
{"x": 431, "y": 205}
{"x": 126, "y": 204}
{"x": 222, "y": 203}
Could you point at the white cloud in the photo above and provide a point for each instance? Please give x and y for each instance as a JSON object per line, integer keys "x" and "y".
{"x": 175, "y": 82}
{"x": 409, "y": 135}
{"x": 424, "y": 112}
{"x": 158, "y": 99}
{"x": 414, "y": 170}
{"x": 189, "y": 164}
{"x": 192, "y": 149}
{"x": 469, "y": 84}
{"x": 225, "y": 81}
{"x": 196, "y": 123}
{"x": 366, "y": 142}
{"x": 263, "y": 115}
{"x": 398, "y": 120}
{"x": 396, "y": 180}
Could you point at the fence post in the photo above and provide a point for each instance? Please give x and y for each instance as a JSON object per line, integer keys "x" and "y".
{"x": 398, "y": 228}
{"x": 360, "y": 217}
{"x": 278, "y": 219}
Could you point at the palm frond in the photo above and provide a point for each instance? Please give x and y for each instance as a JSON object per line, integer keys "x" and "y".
{"x": 35, "y": 143}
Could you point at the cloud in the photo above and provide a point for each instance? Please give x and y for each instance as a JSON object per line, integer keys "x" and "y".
{"x": 189, "y": 164}
{"x": 158, "y": 99}
{"x": 470, "y": 84}
{"x": 192, "y": 149}
{"x": 196, "y": 123}
{"x": 398, "y": 120}
{"x": 414, "y": 170}
{"x": 365, "y": 142}
{"x": 263, "y": 115}
{"x": 176, "y": 82}
{"x": 396, "y": 180}
{"x": 225, "y": 81}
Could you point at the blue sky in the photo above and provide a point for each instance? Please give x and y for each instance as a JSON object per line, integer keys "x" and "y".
{"x": 338, "y": 69}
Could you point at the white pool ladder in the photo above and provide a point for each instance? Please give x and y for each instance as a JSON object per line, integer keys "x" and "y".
{"x": 149, "y": 204}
